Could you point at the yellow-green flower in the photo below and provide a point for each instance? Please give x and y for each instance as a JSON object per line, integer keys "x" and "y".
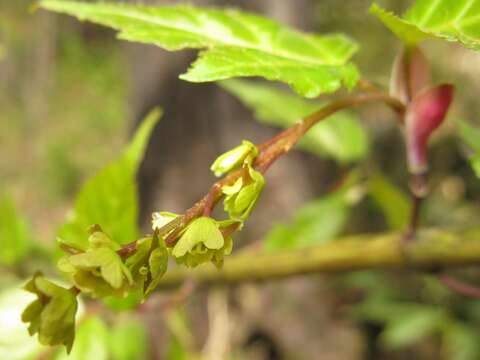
{"x": 99, "y": 270}
{"x": 234, "y": 158}
{"x": 243, "y": 195}
{"x": 202, "y": 241}
{"x": 52, "y": 315}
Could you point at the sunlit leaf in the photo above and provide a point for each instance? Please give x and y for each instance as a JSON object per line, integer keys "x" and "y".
{"x": 235, "y": 43}
{"x": 452, "y": 20}
{"x": 110, "y": 197}
{"x": 340, "y": 136}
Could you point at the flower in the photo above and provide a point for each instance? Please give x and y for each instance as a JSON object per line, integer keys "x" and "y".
{"x": 234, "y": 158}
{"x": 160, "y": 219}
{"x": 52, "y": 315}
{"x": 243, "y": 195}
{"x": 99, "y": 270}
{"x": 149, "y": 263}
{"x": 202, "y": 241}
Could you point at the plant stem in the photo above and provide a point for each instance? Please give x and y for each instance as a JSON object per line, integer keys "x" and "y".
{"x": 270, "y": 151}
{"x": 433, "y": 249}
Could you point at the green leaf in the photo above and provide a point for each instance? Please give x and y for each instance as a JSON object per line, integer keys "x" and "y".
{"x": 391, "y": 200}
{"x": 317, "y": 222}
{"x": 15, "y": 237}
{"x": 110, "y": 197}
{"x": 470, "y": 135}
{"x": 340, "y": 137}
{"x": 235, "y": 43}
{"x": 91, "y": 341}
{"x": 416, "y": 323}
{"x": 457, "y": 21}
{"x": 128, "y": 340}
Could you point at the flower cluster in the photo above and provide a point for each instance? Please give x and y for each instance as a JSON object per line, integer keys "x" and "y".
{"x": 52, "y": 315}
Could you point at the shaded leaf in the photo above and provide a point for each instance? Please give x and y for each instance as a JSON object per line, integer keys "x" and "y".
{"x": 128, "y": 340}
{"x": 471, "y": 135}
{"x": 340, "y": 136}
{"x": 235, "y": 43}
{"x": 110, "y": 197}
{"x": 15, "y": 237}
{"x": 317, "y": 222}
{"x": 392, "y": 201}
{"x": 457, "y": 21}
{"x": 91, "y": 341}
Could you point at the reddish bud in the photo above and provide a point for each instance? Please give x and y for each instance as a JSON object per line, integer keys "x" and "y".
{"x": 410, "y": 74}
{"x": 424, "y": 114}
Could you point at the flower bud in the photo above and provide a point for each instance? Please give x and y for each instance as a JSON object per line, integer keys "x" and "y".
{"x": 424, "y": 114}
{"x": 410, "y": 74}
{"x": 234, "y": 158}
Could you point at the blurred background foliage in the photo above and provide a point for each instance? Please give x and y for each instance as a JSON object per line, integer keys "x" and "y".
{"x": 69, "y": 99}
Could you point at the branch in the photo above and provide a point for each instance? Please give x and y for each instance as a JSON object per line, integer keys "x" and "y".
{"x": 433, "y": 250}
{"x": 270, "y": 151}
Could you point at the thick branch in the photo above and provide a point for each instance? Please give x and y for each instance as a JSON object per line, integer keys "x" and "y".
{"x": 432, "y": 250}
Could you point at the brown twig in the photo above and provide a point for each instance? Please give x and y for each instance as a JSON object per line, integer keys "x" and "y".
{"x": 459, "y": 286}
{"x": 270, "y": 151}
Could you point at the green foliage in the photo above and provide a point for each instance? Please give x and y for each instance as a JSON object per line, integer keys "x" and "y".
{"x": 91, "y": 341}
{"x": 341, "y": 137}
{"x": 128, "y": 340}
{"x": 317, "y": 222}
{"x": 236, "y": 44}
{"x": 470, "y": 135}
{"x": 457, "y": 21}
{"x": 52, "y": 315}
{"x": 391, "y": 200}
{"x": 15, "y": 236}
{"x": 110, "y": 197}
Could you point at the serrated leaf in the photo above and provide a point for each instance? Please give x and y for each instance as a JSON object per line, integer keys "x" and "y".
{"x": 235, "y": 43}
{"x": 110, "y": 197}
{"x": 457, "y": 21}
{"x": 15, "y": 237}
{"x": 340, "y": 137}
